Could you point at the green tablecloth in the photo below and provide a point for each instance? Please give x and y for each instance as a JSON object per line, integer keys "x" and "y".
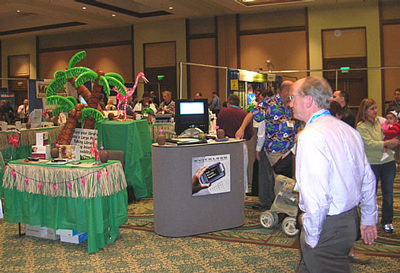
{"x": 99, "y": 216}
{"x": 133, "y": 138}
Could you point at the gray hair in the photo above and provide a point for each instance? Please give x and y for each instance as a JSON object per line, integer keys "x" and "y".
{"x": 319, "y": 89}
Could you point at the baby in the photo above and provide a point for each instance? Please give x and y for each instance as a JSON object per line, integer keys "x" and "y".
{"x": 391, "y": 129}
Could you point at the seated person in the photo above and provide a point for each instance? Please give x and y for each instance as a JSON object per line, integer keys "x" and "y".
{"x": 129, "y": 109}
{"x": 110, "y": 105}
{"x": 145, "y": 102}
{"x": 168, "y": 105}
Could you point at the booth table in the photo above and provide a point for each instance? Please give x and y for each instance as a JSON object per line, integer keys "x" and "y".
{"x": 133, "y": 138}
{"x": 27, "y": 138}
{"x": 155, "y": 128}
{"x": 90, "y": 197}
{"x": 176, "y": 211}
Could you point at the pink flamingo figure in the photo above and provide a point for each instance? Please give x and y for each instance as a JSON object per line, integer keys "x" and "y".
{"x": 129, "y": 93}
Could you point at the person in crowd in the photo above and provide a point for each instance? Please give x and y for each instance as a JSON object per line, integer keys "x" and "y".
{"x": 154, "y": 98}
{"x": 215, "y": 104}
{"x": 23, "y": 111}
{"x": 231, "y": 118}
{"x": 342, "y": 98}
{"x": 110, "y": 105}
{"x": 369, "y": 126}
{"x": 280, "y": 134}
{"x": 198, "y": 95}
{"x": 129, "y": 108}
{"x": 395, "y": 104}
{"x": 354, "y": 255}
{"x": 145, "y": 102}
{"x": 101, "y": 102}
{"x": 2, "y": 109}
{"x": 391, "y": 129}
{"x": 8, "y": 113}
{"x": 333, "y": 177}
{"x": 260, "y": 138}
{"x": 335, "y": 109}
{"x": 167, "y": 106}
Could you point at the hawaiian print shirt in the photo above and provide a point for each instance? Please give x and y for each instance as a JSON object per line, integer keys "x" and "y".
{"x": 280, "y": 127}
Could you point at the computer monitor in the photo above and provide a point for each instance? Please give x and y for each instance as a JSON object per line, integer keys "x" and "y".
{"x": 191, "y": 113}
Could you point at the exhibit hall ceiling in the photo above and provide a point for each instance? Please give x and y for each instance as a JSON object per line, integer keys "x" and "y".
{"x": 40, "y": 17}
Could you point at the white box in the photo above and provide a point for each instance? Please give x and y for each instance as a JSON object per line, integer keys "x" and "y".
{"x": 66, "y": 232}
{"x": 42, "y": 139}
{"x": 76, "y": 239}
{"x": 41, "y": 232}
{"x": 43, "y": 152}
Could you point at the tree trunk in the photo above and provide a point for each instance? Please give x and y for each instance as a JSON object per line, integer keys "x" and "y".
{"x": 89, "y": 123}
{"x": 65, "y": 136}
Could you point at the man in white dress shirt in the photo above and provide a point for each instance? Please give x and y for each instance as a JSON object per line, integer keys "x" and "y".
{"x": 333, "y": 177}
{"x": 23, "y": 111}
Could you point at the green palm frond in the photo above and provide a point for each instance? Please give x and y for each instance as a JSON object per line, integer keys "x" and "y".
{"x": 116, "y": 76}
{"x": 73, "y": 100}
{"x": 106, "y": 87}
{"x": 65, "y": 103}
{"x": 93, "y": 113}
{"x": 85, "y": 77}
{"x": 55, "y": 86}
{"x": 76, "y": 71}
{"x": 117, "y": 84}
{"x": 59, "y": 74}
{"x": 58, "y": 110}
{"x": 76, "y": 59}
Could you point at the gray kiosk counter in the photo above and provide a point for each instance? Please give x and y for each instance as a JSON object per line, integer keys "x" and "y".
{"x": 181, "y": 209}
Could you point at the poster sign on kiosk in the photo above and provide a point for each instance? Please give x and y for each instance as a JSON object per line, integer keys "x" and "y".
{"x": 211, "y": 175}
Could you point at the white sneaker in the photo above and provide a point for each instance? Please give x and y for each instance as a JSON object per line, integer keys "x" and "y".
{"x": 384, "y": 157}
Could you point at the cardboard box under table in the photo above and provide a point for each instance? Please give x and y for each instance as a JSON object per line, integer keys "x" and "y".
{"x": 88, "y": 199}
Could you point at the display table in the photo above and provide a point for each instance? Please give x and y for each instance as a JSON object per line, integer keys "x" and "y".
{"x": 85, "y": 198}
{"x": 176, "y": 211}
{"x": 133, "y": 138}
{"x": 27, "y": 138}
{"x": 155, "y": 130}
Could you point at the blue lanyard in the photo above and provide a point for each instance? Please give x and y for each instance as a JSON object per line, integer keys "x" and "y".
{"x": 317, "y": 115}
{"x": 235, "y": 106}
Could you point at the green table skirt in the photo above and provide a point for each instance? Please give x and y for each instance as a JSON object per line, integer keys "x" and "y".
{"x": 133, "y": 138}
{"x": 100, "y": 217}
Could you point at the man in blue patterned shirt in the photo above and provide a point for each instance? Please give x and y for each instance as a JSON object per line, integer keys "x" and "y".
{"x": 280, "y": 134}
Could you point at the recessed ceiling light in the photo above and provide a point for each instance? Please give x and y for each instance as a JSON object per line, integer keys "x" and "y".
{"x": 113, "y": 15}
{"x": 18, "y": 11}
{"x": 171, "y": 8}
{"x": 83, "y": 7}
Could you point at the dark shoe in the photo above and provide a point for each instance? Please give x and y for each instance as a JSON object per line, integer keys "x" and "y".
{"x": 261, "y": 208}
{"x": 388, "y": 228}
{"x": 359, "y": 258}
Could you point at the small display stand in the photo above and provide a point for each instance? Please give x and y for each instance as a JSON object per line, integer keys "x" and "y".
{"x": 177, "y": 212}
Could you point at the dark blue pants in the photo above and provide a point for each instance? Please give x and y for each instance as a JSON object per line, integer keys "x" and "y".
{"x": 386, "y": 174}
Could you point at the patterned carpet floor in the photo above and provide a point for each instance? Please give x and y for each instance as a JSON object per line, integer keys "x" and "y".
{"x": 247, "y": 249}
{"x": 140, "y": 217}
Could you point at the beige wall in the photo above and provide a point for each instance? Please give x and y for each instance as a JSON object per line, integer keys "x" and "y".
{"x": 362, "y": 15}
{"x": 109, "y": 59}
{"x": 203, "y": 79}
{"x": 156, "y": 32}
{"x": 277, "y": 47}
{"x": 19, "y": 46}
{"x": 391, "y": 45}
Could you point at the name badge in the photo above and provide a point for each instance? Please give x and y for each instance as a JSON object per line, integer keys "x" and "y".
{"x": 290, "y": 123}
